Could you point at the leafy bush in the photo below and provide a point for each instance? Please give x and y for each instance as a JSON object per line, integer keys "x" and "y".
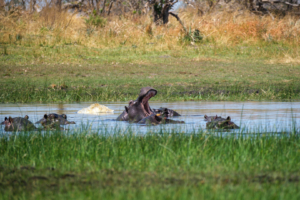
{"x": 193, "y": 36}
{"x": 95, "y": 20}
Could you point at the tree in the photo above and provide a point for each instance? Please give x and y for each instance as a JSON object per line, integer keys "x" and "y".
{"x": 161, "y": 10}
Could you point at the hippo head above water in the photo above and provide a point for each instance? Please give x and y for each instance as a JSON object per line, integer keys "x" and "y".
{"x": 6, "y": 122}
{"x": 139, "y": 108}
{"x": 221, "y": 123}
{"x": 53, "y": 116}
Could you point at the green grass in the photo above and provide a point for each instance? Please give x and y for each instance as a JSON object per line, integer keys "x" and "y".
{"x": 165, "y": 165}
{"x": 203, "y": 72}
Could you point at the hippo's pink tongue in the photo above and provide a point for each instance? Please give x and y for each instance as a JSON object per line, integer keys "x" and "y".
{"x": 145, "y": 103}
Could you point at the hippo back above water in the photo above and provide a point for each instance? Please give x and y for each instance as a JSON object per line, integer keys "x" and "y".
{"x": 18, "y": 124}
{"x": 155, "y": 119}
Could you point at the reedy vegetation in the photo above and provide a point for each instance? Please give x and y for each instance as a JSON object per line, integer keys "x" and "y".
{"x": 111, "y": 164}
{"x": 112, "y": 62}
{"x": 50, "y": 28}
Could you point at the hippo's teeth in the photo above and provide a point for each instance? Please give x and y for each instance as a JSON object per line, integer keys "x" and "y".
{"x": 145, "y": 103}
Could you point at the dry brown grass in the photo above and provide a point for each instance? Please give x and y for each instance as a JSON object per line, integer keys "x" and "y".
{"x": 54, "y": 28}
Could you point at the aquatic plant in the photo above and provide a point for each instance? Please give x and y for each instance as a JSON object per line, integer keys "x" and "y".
{"x": 114, "y": 163}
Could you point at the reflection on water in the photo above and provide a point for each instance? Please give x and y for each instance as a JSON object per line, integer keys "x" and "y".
{"x": 60, "y": 109}
{"x": 251, "y": 116}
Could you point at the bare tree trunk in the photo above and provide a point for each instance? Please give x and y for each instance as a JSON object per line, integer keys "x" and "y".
{"x": 58, "y": 4}
{"x": 98, "y": 6}
{"x": 156, "y": 12}
{"x": 161, "y": 10}
{"x": 93, "y": 5}
{"x": 103, "y": 7}
{"x": 165, "y": 13}
{"x": 23, "y": 6}
{"x": 289, "y": 8}
{"x": 252, "y": 5}
{"x": 110, "y": 5}
{"x": 32, "y": 5}
{"x": 2, "y": 4}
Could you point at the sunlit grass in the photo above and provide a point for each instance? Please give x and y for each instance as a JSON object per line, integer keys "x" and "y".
{"x": 86, "y": 163}
{"x": 241, "y": 57}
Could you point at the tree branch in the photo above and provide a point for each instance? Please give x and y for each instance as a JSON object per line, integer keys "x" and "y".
{"x": 178, "y": 19}
{"x": 109, "y": 8}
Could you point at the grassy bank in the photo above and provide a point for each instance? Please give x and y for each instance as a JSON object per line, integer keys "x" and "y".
{"x": 85, "y": 165}
{"x": 56, "y": 57}
{"x": 77, "y": 73}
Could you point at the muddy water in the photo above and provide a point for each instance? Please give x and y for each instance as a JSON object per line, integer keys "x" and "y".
{"x": 251, "y": 116}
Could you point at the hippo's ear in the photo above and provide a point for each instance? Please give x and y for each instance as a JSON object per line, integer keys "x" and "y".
{"x": 26, "y": 117}
{"x": 10, "y": 120}
{"x": 5, "y": 118}
{"x": 45, "y": 116}
{"x": 228, "y": 118}
{"x": 126, "y": 109}
{"x": 205, "y": 116}
{"x": 130, "y": 102}
{"x": 64, "y": 116}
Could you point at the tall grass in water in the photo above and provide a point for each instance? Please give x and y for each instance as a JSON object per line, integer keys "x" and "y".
{"x": 155, "y": 165}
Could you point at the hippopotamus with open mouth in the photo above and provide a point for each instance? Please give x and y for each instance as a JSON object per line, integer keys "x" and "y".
{"x": 221, "y": 123}
{"x": 18, "y": 124}
{"x": 139, "y": 109}
{"x": 155, "y": 119}
{"x": 62, "y": 119}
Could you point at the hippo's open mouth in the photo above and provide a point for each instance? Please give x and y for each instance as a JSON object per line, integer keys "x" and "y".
{"x": 145, "y": 103}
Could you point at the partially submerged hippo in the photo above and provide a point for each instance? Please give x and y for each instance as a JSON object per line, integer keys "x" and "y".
{"x": 221, "y": 123}
{"x": 18, "y": 124}
{"x": 210, "y": 118}
{"x": 51, "y": 122}
{"x": 155, "y": 119}
{"x": 62, "y": 119}
{"x": 166, "y": 112}
{"x": 139, "y": 108}
{"x": 124, "y": 115}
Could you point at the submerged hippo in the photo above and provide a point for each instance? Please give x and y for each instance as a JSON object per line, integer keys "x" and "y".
{"x": 139, "y": 108}
{"x": 221, "y": 123}
{"x": 18, "y": 124}
{"x": 51, "y": 122}
{"x": 166, "y": 112}
{"x": 155, "y": 119}
{"x": 210, "y": 118}
{"x": 62, "y": 119}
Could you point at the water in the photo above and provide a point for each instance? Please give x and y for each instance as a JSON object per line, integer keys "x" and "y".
{"x": 250, "y": 116}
